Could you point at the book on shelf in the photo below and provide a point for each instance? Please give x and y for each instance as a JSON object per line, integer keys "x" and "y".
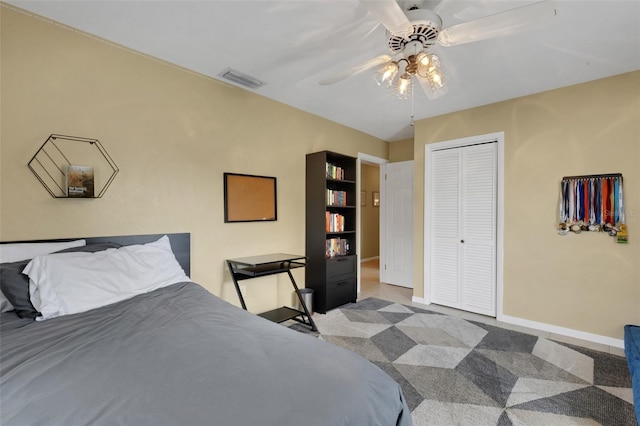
{"x": 336, "y": 247}
{"x": 335, "y": 172}
{"x": 336, "y": 198}
{"x": 79, "y": 181}
{"x": 334, "y": 222}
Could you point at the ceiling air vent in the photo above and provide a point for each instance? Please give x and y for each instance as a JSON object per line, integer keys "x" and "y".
{"x": 241, "y": 79}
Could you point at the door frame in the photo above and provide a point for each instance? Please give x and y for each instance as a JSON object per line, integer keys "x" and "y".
{"x": 364, "y": 158}
{"x": 497, "y": 137}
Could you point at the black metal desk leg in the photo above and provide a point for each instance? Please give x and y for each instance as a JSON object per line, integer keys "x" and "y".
{"x": 235, "y": 282}
{"x": 304, "y": 305}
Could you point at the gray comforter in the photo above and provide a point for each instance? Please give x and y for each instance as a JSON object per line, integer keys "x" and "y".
{"x": 182, "y": 356}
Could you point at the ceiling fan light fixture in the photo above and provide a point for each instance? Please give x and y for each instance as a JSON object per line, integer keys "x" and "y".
{"x": 385, "y": 75}
{"x": 438, "y": 84}
{"x": 404, "y": 86}
{"x": 436, "y": 79}
{"x": 428, "y": 64}
{"x": 423, "y": 59}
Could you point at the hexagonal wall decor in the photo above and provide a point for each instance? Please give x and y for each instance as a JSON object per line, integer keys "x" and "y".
{"x": 58, "y": 152}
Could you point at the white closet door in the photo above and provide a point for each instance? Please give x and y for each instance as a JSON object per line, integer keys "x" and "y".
{"x": 478, "y": 242}
{"x": 445, "y": 227}
{"x": 463, "y": 228}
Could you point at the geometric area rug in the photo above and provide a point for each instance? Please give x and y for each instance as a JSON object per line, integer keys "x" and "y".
{"x": 460, "y": 372}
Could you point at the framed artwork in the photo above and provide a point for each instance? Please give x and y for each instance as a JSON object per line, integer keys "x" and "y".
{"x": 363, "y": 198}
{"x": 375, "y": 196}
{"x": 249, "y": 198}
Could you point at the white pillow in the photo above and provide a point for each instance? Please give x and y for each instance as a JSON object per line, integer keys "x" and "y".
{"x": 15, "y": 252}
{"x": 69, "y": 283}
{"x": 5, "y": 305}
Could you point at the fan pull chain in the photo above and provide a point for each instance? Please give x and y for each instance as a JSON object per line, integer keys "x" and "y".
{"x": 412, "y": 84}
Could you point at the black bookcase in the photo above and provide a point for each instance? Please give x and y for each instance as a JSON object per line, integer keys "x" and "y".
{"x": 331, "y": 229}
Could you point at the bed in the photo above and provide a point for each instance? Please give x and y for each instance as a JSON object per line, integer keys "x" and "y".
{"x": 172, "y": 355}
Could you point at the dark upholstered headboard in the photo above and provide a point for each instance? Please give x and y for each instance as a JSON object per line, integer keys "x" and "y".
{"x": 180, "y": 244}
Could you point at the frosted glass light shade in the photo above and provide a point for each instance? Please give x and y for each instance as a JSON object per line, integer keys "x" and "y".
{"x": 385, "y": 75}
{"x": 404, "y": 86}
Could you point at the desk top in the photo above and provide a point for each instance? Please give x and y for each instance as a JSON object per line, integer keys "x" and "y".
{"x": 265, "y": 259}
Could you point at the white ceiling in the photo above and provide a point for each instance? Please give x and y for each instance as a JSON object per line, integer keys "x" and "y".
{"x": 291, "y": 45}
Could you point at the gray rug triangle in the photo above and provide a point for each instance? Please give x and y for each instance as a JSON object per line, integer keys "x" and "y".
{"x": 459, "y": 372}
{"x": 395, "y": 317}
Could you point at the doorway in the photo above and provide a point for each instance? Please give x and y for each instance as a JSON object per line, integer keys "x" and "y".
{"x": 370, "y": 244}
{"x": 369, "y": 234}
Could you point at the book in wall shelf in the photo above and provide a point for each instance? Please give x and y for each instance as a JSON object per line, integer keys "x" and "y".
{"x": 79, "y": 181}
{"x": 331, "y": 229}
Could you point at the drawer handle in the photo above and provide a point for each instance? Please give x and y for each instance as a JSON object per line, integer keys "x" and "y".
{"x": 342, "y": 283}
{"x": 344, "y": 259}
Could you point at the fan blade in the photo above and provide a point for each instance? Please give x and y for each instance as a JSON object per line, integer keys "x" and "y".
{"x": 391, "y": 15}
{"x": 512, "y": 21}
{"x": 357, "y": 69}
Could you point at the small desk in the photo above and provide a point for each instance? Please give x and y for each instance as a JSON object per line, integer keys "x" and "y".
{"x": 245, "y": 268}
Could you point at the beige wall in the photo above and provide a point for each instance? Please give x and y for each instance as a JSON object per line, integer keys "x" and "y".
{"x": 401, "y": 151}
{"x": 171, "y": 132}
{"x": 583, "y": 282}
{"x": 370, "y": 215}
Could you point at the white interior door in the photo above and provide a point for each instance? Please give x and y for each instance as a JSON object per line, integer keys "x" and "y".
{"x": 396, "y": 223}
{"x": 462, "y": 236}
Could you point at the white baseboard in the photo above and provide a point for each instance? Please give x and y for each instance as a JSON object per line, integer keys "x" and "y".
{"x": 563, "y": 331}
{"x": 369, "y": 258}
{"x": 416, "y": 299}
{"x": 583, "y": 335}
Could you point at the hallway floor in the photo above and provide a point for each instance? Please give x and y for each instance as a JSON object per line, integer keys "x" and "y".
{"x": 370, "y": 285}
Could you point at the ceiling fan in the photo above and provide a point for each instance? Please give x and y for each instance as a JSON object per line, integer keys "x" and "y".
{"x": 414, "y": 29}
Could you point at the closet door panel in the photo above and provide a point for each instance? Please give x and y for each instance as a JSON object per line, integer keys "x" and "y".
{"x": 479, "y": 193}
{"x": 445, "y": 212}
{"x": 445, "y": 259}
{"x": 478, "y": 278}
{"x": 445, "y": 226}
{"x": 479, "y": 180}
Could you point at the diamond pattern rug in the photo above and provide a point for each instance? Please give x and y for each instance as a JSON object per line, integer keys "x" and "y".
{"x": 460, "y": 372}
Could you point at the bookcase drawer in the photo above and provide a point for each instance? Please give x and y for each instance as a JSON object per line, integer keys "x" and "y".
{"x": 341, "y": 267}
{"x": 340, "y": 292}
